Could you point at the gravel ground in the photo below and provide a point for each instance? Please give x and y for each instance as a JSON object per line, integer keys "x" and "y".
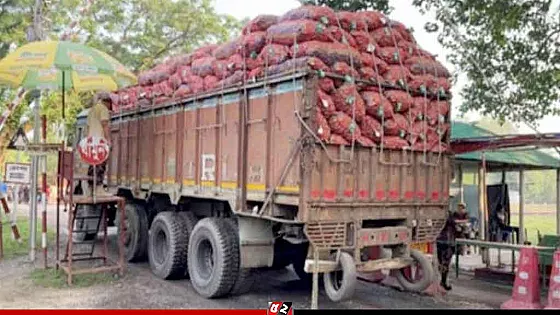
{"x": 140, "y": 289}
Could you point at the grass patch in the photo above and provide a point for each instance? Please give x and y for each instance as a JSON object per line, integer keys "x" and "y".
{"x": 52, "y": 278}
{"x": 546, "y": 224}
{"x": 14, "y": 249}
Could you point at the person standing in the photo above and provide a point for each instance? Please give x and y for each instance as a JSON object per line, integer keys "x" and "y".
{"x": 98, "y": 126}
{"x": 446, "y": 249}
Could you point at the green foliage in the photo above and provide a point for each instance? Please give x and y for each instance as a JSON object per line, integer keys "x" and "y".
{"x": 140, "y": 32}
{"x": 509, "y": 51}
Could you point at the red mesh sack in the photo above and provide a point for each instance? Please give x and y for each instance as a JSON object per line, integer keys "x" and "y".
{"x": 144, "y": 78}
{"x": 261, "y": 23}
{"x": 252, "y": 44}
{"x": 365, "y": 142}
{"x": 364, "y": 41}
{"x": 227, "y": 49}
{"x": 146, "y": 92}
{"x": 373, "y": 19}
{"x": 441, "y": 86}
{"x": 343, "y": 69}
{"x": 419, "y": 107}
{"x": 351, "y": 21}
{"x": 221, "y": 69}
{"x": 203, "y": 67}
{"x": 184, "y": 72}
{"x": 166, "y": 88}
{"x": 161, "y": 100}
{"x": 391, "y": 55}
{"x": 371, "y": 61}
{"x": 411, "y": 49}
{"x": 324, "y": 15}
{"x": 348, "y": 100}
{"x": 403, "y": 31}
{"x": 329, "y": 53}
{"x": 317, "y": 64}
{"x": 157, "y": 90}
{"x": 274, "y": 54}
{"x": 338, "y": 140}
{"x": 114, "y": 99}
{"x": 397, "y": 126}
{"x": 323, "y": 129}
{"x": 183, "y": 60}
{"x": 371, "y": 128}
{"x": 370, "y": 74}
{"x": 327, "y": 85}
{"x": 425, "y": 65}
{"x": 377, "y": 105}
{"x": 437, "y": 112}
{"x": 440, "y": 147}
{"x": 234, "y": 79}
{"x": 290, "y": 32}
{"x": 401, "y": 100}
{"x": 183, "y": 91}
{"x": 342, "y": 36}
{"x": 421, "y": 83}
{"x": 326, "y": 103}
{"x": 386, "y": 37}
{"x": 210, "y": 82}
{"x": 236, "y": 62}
{"x": 343, "y": 125}
{"x": 397, "y": 76}
{"x": 175, "y": 81}
{"x": 418, "y": 133}
{"x": 394, "y": 143}
{"x": 254, "y": 74}
{"x": 195, "y": 83}
{"x": 207, "y": 50}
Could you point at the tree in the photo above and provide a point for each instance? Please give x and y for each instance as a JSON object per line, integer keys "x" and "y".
{"x": 140, "y": 32}
{"x": 508, "y": 49}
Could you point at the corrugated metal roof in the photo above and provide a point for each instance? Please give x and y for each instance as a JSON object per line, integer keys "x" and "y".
{"x": 533, "y": 158}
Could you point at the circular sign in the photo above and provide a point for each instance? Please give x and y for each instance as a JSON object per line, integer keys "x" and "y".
{"x": 93, "y": 150}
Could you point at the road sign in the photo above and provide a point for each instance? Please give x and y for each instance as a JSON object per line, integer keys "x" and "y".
{"x": 93, "y": 150}
{"x": 18, "y": 173}
{"x": 19, "y": 140}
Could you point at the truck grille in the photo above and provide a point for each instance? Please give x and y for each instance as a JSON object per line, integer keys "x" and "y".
{"x": 326, "y": 234}
{"x": 428, "y": 230}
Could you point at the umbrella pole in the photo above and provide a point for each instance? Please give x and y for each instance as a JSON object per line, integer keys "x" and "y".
{"x": 63, "y": 108}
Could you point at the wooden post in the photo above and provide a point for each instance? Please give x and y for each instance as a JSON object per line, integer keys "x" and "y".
{"x": 521, "y": 206}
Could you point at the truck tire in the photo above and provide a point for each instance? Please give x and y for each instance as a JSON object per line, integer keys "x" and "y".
{"x": 299, "y": 255}
{"x": 427, "y": 270}
{"x": 282, "y": 254}
{"x": 167, "y": 245}
{"x": 189, "y": 221}
{"x": 136, "y": 232}
{"x": 338, "y": 289}
{"x": 246, "y": 277}
{"x": 213, "y": 258}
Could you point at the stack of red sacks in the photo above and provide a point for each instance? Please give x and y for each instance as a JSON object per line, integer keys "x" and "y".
{"x": 377, "y": 85}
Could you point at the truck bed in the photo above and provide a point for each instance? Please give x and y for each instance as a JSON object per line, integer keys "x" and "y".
{"x": 263, "y": 160}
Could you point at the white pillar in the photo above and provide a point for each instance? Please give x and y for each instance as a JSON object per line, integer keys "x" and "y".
{"x": 461, "y": 186}
{"x": 558, "y": 201}
{"x": 521, "y": 206}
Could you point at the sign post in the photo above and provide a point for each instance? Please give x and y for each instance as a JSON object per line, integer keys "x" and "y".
{"x": 94, "y": 151}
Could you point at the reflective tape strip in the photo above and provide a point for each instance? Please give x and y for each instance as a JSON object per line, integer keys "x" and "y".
{"x": 44, "y": 240}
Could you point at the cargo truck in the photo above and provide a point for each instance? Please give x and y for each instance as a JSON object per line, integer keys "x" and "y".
{"x": 222, "y": 184}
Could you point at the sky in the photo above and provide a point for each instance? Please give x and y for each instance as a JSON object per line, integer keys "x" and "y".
{"x": 403, "y": 12}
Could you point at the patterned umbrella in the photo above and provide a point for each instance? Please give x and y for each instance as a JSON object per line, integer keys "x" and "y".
{"x": 63, "y": 65}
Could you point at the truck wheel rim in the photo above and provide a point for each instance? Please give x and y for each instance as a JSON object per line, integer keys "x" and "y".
{"x": 413, "y": 273}
{"x": 161, "y": 246}
{"x": 205, "y": 257}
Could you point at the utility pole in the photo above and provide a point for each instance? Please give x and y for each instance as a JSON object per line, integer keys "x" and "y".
{"x": 35, "y": 33}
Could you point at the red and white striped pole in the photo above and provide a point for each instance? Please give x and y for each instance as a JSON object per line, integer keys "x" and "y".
{"x": 44, "y": 197}
{"x": 15, "y": 230}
